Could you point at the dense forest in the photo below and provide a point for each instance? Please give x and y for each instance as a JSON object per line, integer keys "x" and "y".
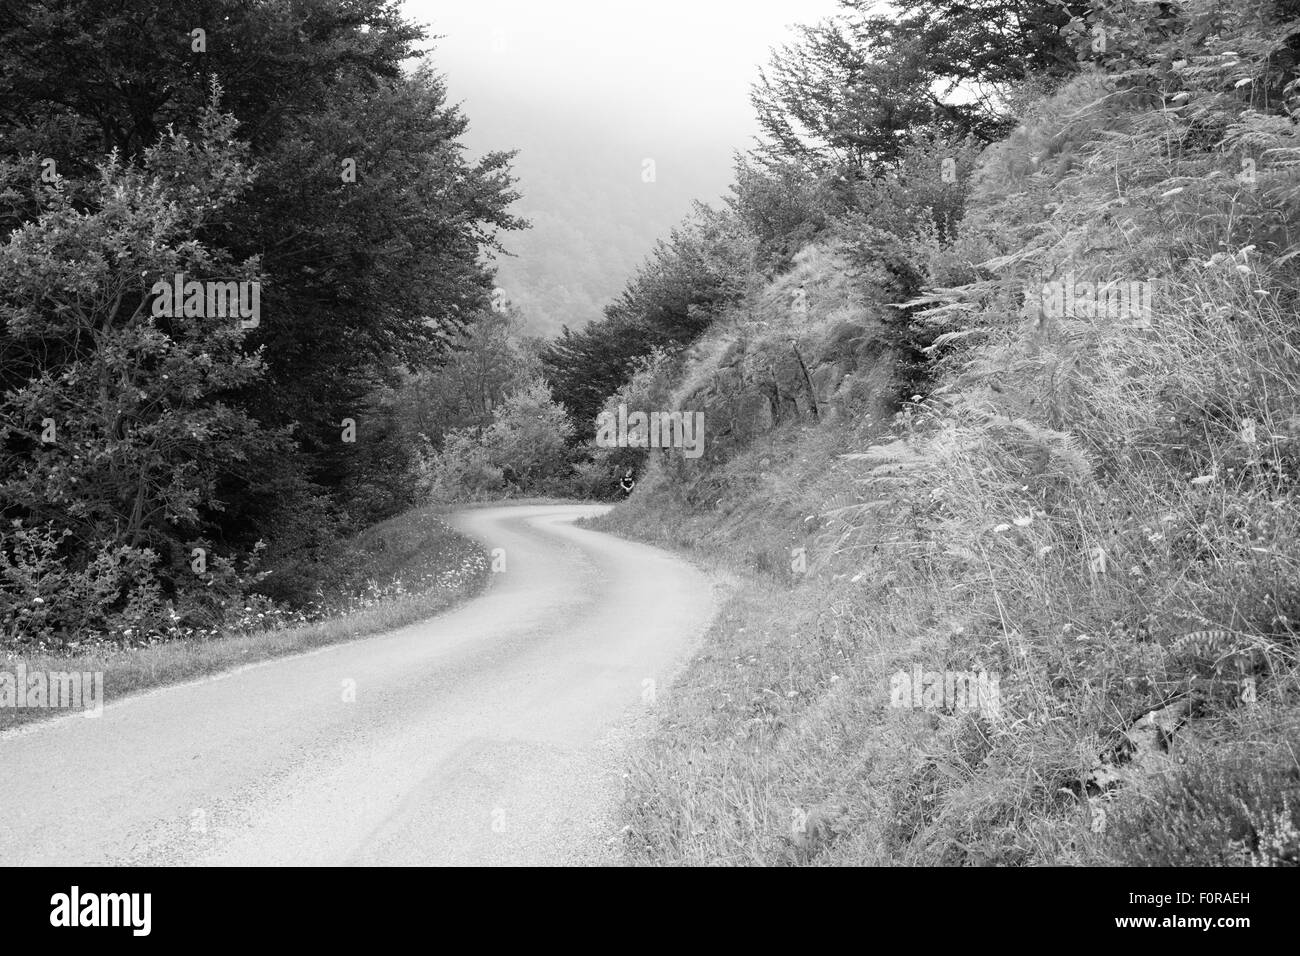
{"x": 157, "y": 469}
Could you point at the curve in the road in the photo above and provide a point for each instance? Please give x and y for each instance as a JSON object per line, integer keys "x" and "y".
{"x": 493, "y": 733}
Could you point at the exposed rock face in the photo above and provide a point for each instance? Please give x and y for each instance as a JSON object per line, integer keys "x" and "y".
{"x": 760, "y": 383}
{"x": 751, "y": 415}
{"x": 826, "y": 378}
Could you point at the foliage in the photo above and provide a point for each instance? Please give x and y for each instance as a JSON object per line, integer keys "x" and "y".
{"x": 461, "y": 471}
{"x": 216, "y": 437}
{"x": 689, "y": 280}
{"x": 529, "y": 436}
{"x": 526, "y": 449}
{"x": 114, "y": 425}
{"x": 482, "y": 365}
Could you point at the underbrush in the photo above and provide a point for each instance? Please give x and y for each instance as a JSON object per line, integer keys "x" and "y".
{"x": 400, "y": 571}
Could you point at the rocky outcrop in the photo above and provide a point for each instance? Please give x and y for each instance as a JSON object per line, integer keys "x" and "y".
{"x": 763, "y": 382}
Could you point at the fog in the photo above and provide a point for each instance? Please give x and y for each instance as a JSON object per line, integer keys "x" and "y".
{"x": 588, "y": 91}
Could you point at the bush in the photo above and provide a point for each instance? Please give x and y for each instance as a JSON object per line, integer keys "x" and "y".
{"x": 528, "y": 440}
{"x": 48, "y": 601}
{"x": 461, "y": 471}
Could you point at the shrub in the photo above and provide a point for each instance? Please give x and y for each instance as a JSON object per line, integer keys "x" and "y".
{"x": 461, "y": 471}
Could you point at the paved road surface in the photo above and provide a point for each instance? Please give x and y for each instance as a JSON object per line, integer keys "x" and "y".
{"x": 491, "y": 734}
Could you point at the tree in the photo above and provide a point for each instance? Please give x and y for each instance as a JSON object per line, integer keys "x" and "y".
{"x": 527, "y": 445}
{"x": 530, "y": 435}
{"x": 829, "y": 101}
{"x": 989, "y": 44}
{"x": 374, "y": 276}
{"x": 482, "y": 366}
{"x": 688, "y": 280}
{"x": 783, "y": 205}
{"x": 82, "y": 77}
{"x": 849, "y": 93}
{"x": 116, "y": 435}
{"x": 374, "y": 233}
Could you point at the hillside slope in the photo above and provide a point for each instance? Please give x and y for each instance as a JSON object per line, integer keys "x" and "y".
{"x": 1092, "y": 506}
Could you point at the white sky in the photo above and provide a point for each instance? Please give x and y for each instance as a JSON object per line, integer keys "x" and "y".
{"x": 688, "y": 63}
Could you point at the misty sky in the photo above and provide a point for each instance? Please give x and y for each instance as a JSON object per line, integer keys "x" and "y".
{"x": 587, "y": 89}
{"x": 665, "y": 63}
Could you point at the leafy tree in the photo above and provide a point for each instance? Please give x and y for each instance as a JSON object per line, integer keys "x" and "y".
{"x": 462, "y": 470}
{"x": 82, "y": 77}
{"x": 362, "y": 278}
{"x": 692, "y": 277}
{"x": 783, "y": 205}
{"x": 371, "y": 276}
{"x": 828, "y": 101}
{"x": 985, "y": 46}
{"x": 850, "y": 92}
{"x": 526, "y": 448}
{"x": 483, "y": 365}
{"x": 119, "y": 432}
{"x": 529, "y": 436}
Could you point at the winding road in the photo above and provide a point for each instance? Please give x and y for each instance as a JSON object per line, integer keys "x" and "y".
{"x": 491, "y": 734}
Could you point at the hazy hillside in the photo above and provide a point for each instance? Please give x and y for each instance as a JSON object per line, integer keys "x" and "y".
{"x": 586, "y": 92}
{"x": 593, "y": 216}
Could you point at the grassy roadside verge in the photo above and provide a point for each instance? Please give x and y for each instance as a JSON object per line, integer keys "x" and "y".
{"x": 412, "y": 566}
{"x": 761, "y": 753}
{"x": 779, "y": 743}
